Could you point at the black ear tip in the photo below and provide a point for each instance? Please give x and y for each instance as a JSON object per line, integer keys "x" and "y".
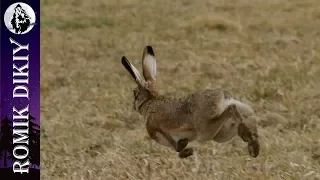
{"x": 124, "y": 60}
{"x": 150, "y": 50}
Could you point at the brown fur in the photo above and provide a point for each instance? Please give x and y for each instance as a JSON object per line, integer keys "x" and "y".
{"x": 202, "y": 115}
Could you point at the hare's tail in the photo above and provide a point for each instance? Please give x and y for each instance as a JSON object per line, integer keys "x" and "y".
{"x": 244, "y": 109}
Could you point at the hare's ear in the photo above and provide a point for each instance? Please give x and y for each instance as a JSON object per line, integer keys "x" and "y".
{"x": 149, "y": 64}
{"x": 132, "y": 70}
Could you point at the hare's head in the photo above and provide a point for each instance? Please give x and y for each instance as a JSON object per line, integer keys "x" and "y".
{"x": 146, "y": 85}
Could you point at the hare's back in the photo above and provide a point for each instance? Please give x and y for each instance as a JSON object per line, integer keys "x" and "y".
{"x": 208, "y": 103}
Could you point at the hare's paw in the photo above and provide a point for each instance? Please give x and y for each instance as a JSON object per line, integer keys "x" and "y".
{"x": 186, "y": 153}
{"x": 249, "y": 134}
{"x": 254, "y": 147}
{"x": 181, "y": 144}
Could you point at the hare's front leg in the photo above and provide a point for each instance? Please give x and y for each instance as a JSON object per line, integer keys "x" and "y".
{"x": 182, "y": 150}
{"x": 165, "y": 139}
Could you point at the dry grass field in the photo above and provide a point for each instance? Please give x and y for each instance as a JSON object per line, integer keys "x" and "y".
{"x": 266, "y": 53}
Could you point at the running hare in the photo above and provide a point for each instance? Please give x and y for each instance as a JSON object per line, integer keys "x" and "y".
{"x": 211, "y": 114}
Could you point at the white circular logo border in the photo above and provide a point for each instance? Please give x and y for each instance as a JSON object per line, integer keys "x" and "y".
{"x": 10, "y": 11}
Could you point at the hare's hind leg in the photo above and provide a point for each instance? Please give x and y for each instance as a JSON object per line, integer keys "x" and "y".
{"x": 234, "y": 124}
{"x": 227, "y": 131}
{"x": 248, "y": 133}
{"x": 212, "y": 127}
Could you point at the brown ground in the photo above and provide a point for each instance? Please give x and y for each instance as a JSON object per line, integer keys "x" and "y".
{"x": 264, "y": 52}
